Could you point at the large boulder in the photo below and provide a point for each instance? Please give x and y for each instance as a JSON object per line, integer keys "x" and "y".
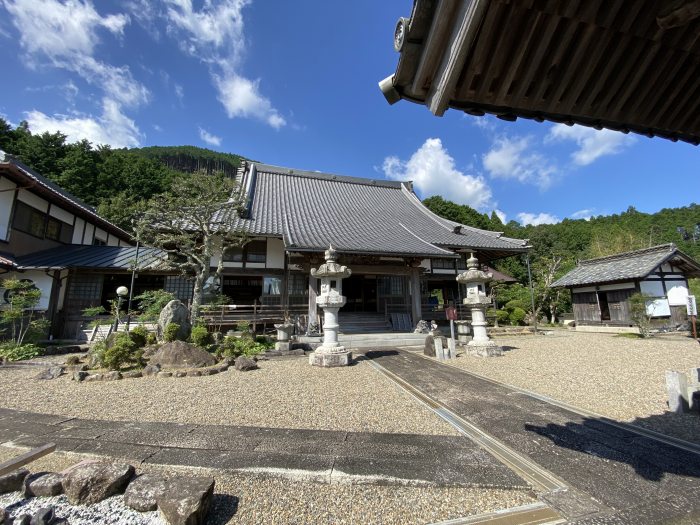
{"x": 43, "y": 484}
{"x": 175, "y": 312}
{"x": 245, "y": 364}
{"x": 178, "y": 354}
{"x": 186, "y": 501}
{"x": 89, "y": 483}
{"x": 142, "y": 494}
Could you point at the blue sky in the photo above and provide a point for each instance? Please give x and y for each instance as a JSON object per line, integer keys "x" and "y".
{"x": 295, "y": 84}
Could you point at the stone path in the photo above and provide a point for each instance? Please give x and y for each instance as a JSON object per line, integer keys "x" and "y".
{"x": 615, "y": 476}
{"x": 317, "y": 454}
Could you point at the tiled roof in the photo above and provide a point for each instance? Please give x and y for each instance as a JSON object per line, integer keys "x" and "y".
{"x": 88, "y": 257}
{"x": 312, "y": 210}
{"x": 627, "y": 266}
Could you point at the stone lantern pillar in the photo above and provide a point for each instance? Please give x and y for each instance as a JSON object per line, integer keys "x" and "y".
{"x": 478, "y": 301}
{"x": 331, "y": 274}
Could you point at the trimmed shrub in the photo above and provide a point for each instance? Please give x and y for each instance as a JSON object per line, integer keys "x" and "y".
{"x": 503, "y": 316}
{"x": 170, "y": 332}
{"x": 139, "y": 335}
{"x": 517, "y": 316}
{"x": 200, "y": 336}
{"x": 120, "y": 350}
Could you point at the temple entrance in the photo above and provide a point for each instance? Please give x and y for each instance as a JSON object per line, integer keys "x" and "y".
{"x": 243, "y": 290}
{"x": 361, "y": 293}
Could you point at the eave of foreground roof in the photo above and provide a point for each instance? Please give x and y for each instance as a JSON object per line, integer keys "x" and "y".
{"x": 622, "y": 65}
{"x": 89, "y": 257}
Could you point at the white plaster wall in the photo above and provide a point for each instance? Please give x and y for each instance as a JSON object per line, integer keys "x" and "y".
{"x": 89, "y": 233}
{"x": 425, "y": 263}
{"x": 6, "y": 199}
{"x": 61, "y": 214}
{"x": 34, "y": 201}
{"x": 255, "y": 265}
{"x": 677, "y": 293}
{"x": 100, "y": 234}
{"x": 42, "y": 281}
{"x": 112, "y": 241}
{"x": 78, "y": 231}
{"x": 275, "y": 254}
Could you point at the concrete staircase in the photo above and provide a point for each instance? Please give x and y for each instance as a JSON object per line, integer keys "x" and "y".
{"x": 362, "y": 323}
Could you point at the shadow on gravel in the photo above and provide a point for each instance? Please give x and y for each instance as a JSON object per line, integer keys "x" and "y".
{"x": 650, "y": 459}
{"x": 223, "y": 508}
{"x": 378, "y": 354}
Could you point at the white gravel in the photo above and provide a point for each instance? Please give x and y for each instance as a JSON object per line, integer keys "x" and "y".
{"x": 617, "y": 377}
{"x": 249, "y": 499}
{"x": 283, "y": 393}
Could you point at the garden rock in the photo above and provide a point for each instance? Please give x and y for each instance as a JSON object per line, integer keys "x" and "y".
{"x": 24, "y": 519}
{"x": 44, "y": 484}
{"x": 422, "y": 327}
{"x": 112, "y": 376}
{"x": 90, "y": 483}
{"x": 51, "y": 372}
{"x": 186, "y": 501}
{"x": 244, "y": 364}
{"x": 175, "y": 312}
{"x": 178, "y": 354}
{"x": 150, "y": 370}
{"x": 4, "y": 516}
{"x": 80, "y": 375}
{"x": 13, "y": 481}
{"x": 142, "y": 493}
{"x": 132, "y": 374}
{"x": 429, "y": 349}
{"x": 44, "y": 516}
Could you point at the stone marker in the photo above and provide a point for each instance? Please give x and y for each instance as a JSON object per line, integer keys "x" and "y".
{"x": 429, "y": 348}
{"x": 677, "y": 387}
{"x": 142, "y": 493}
{"x": 186, "y": 501}
{"x": 439, "y": 342}
{"x": 284, "y": 331}
{"x": 43, "y": 484}
{"x": 51, "y": 373}
{"x": 92, "y": 482}
{"x": 13, "y": 481}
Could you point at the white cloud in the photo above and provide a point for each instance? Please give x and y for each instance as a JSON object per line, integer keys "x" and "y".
{"x": 583, "y": 214}
{"x": 67, "y": 35}
{"x": 215, "y": 35}
{"x": 209, "y": 138}
{"x": 535, "y": 220}
{"x": 592, "y": 144}
{"x": 514, "y": 158}
{"x": 433, "y": 172}
{"x": 501, "y": 215}
{"x": 179, "y": 92}
{"x": 112, "y": 127}
{"x": 241, "y": 98}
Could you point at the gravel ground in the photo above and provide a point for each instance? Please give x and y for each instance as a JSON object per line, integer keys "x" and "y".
{"x": 253, "y": 499}
{"x": 617, "y": 377}
{"x": 283, "y": 393}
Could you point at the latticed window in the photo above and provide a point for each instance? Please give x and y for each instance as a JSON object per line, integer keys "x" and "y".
{"x": 391, "y": 285}
{"x": 443, "y": 264}
{"x": 181, "y": 287}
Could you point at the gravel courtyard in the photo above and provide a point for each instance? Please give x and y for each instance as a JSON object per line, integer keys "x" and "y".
{"x": 282, "y": 393}
{"x": 617, "y": 377}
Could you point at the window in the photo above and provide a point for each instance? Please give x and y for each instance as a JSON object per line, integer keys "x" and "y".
{"x": 28, "y": 220}
{"x": 253, "y": 252}
{"x": 272, "y": 285}
{"x": 391, "y": 285}
{"x": 442, "y": 264}
{"x": 99, "y": 242}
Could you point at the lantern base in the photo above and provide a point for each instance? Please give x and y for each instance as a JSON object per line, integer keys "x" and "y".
{"x": 338, "y": 357}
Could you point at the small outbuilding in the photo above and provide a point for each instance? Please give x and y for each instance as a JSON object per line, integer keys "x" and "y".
{"x": 601, "y": 288}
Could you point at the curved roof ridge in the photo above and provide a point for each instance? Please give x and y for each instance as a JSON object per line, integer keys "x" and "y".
{"x": 281, "y": 170}
{"x": 426, "y": 242}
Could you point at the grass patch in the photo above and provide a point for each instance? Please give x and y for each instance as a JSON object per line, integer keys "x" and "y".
{"x": 629, "y": 335}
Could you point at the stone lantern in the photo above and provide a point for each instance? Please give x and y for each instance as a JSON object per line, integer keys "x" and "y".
{"x": 331, "y": 274}
{"x": 478, "y": 301}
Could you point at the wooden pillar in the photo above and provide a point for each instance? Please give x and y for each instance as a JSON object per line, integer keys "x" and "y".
{"x": 313, "y": 293}
{"x": 416, "y": 311}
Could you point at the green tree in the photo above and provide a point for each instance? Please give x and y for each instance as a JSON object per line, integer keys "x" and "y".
{"x": 19, "y": 317}
{"x": 194, "y": 221}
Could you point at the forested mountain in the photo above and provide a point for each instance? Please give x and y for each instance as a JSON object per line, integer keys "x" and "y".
{"x": 191, "y": 159}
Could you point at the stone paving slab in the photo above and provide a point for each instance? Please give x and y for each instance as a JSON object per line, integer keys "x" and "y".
{"x": 613, "y": 471}
{"x": 353, "y": 456}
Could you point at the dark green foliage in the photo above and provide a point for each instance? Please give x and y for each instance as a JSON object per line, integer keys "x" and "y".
{"x": 233, "y": 346}
{"x": 151, "y": 302}
{"x": 121, "y": 350}
{"x": 638, "y": 313}
{"x": 139, "y": 335}
{"x": 13, "y": 352}
{"x": 200, "y": 336}
{"x": 191, "y": 159}
{"x": 170, "y": 332}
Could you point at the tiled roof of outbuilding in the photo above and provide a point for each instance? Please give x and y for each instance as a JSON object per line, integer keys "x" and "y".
{"x": 89, "y": 257}
{"x": 627, "y": 266}
{"x": 312, "y": 210}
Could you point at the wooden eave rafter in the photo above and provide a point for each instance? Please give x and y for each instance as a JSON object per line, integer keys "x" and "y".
{"x": 628, "y": 65}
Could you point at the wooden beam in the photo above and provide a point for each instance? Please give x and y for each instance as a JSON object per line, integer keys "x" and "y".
{"x": 13, "y": 464}
{"x": 459, "y": 44}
